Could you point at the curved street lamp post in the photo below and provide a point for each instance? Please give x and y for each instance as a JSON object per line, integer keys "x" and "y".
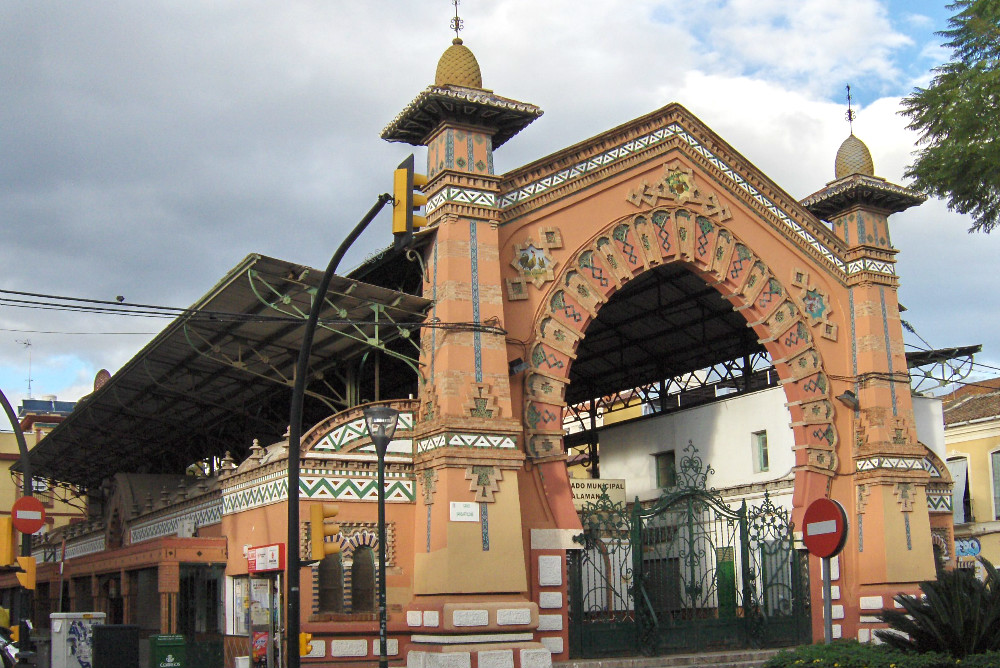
{"x": 381, "y": 422}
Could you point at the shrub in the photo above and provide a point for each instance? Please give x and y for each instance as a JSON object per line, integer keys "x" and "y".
{"x": 851, "y": 654}
{"x": 958, "y": 615}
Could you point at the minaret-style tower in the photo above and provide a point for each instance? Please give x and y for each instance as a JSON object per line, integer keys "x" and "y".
{"x": 890, "y": 538}
{"x": 470, "y": 582}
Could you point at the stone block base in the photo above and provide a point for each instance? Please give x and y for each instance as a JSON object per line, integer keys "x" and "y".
{"x": 481, "y": 652}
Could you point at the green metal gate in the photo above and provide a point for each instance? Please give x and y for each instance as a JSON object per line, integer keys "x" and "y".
{"x": 688, "y": 572}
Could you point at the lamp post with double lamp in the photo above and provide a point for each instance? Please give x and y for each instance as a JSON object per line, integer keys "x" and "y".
{"x": 381, "y": 422}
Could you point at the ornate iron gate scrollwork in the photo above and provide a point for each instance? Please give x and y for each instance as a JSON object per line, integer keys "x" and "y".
{"x": 780, "y": 575}
{"x": 689, "y": 549}
{"x": 602, "y": 614}
{"x": 686, "y": 573}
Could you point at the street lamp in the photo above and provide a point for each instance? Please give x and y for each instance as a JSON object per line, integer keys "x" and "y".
{"x": 381, "y": 422}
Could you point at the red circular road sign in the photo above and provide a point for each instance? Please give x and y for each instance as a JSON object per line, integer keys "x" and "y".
{"x": 824, "y": 528}
{"x": 27, "y": 514}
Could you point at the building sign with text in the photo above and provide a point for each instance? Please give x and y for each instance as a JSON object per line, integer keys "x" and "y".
{"x": 590, "y": 489}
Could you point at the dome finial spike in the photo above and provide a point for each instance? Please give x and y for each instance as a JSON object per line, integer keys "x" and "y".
{"x": 457, "y": 23}
{"x": 850, "y": 112}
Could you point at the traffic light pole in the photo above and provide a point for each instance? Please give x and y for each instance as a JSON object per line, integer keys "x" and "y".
{"x": 292, "y": 624}
{"x": 27, "y": 489}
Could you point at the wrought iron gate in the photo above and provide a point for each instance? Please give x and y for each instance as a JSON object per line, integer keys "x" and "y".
{"x": 688, "y": 572}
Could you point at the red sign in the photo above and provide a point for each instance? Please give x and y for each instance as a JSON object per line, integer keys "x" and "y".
{"x": 266, "y": 558}
{"x": 824, "y": 528}
{"x": 27, "y": 514}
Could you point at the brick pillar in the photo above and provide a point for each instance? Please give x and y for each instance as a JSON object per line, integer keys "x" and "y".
{"x": 890, "y": 547}
{"x": 469, "y": 572}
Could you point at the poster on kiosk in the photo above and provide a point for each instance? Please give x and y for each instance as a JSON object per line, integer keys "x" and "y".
{"x": 265, "y": 565}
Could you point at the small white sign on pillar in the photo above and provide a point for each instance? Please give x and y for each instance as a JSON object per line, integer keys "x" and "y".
{"x": 464, "y": 511}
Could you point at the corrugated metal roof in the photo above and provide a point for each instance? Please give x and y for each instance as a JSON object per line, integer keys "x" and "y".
{"x": 221, "y": 374}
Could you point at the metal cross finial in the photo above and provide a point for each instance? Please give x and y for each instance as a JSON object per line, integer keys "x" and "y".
{"x": 456, "y": 23}
{"x": 850, "y": 112}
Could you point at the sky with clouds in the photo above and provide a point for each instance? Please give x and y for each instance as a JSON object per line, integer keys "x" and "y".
{"x": 149, "y": 146}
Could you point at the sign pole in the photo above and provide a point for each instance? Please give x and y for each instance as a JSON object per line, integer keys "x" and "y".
{"x": 825, "y": 524}
{"x": 827, "y": 603}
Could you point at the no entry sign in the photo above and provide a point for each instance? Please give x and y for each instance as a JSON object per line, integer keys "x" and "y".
{"x": 824, "y": 528}
{"x": 27, "y": 514}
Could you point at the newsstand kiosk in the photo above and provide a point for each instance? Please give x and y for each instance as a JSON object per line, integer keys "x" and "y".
{"x": 265, "y": 565}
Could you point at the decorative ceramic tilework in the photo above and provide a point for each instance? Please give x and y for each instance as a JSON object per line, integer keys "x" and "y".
{"x": 86, "y": 546}
{"x": 334, "y": 487}
{"x": 202, "y": 515}
{"x": 346, "y": 434}
{"x": 477, "y": 343}
{"x": 252, "y": 497}
{"x": 453, "y": 440}
{"x": 485, "y": 520}
{"x": 939, "y": 501}
{"x": 458, "y": 195}
{"x": 888, "y": 348}
{"x": 675, "y": 130}
{"x": 903, "y": 463}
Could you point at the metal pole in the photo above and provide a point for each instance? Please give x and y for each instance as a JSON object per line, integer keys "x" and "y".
{"x": 383, "y": 660}
{"x": 827, "y": 603}
{"x": 27, "y": 489}
{"x": 293, "y": 612}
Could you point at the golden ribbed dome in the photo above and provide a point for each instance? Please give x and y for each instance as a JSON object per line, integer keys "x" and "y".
{"x": 853, "y": 157}
{"x": 458, "y": 67}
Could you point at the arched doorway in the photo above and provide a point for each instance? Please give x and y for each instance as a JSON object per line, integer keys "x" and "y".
{"x": 680, "y": 287}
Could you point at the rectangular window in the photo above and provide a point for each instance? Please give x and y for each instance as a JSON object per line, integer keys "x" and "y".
{"x": 961, "y": 505}
{"x": 995, "y": 461}
{"x": 666, "y": 469}
{"x": 241, "y": 606}
{"x": 760, "y": 460}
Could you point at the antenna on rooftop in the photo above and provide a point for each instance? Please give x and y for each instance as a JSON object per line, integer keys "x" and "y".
{"x": 851, "y": 115}
{"x": 456, "y": 23}
{"x": 27, "y": 345}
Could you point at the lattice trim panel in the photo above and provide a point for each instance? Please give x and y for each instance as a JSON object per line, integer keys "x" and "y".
{"x": 203, "y": 515}
{"x": 85, "y": 546}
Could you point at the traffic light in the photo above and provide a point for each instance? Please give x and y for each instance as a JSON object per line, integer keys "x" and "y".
{"x": 405, "y": 200}
{"x": 26, "y": 576}
{"x": 15, "y": 633}
{"x": 305, "y": 643}
{"x": 319, "y": 529}
{"x": 6, "y": 541}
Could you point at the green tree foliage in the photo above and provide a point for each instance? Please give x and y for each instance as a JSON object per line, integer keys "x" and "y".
{"x": 957, "y": 116}
{"x": 958, "y": 614}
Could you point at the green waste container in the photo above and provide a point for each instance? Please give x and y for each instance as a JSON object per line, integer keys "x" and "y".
{"x": 167, "y": 651}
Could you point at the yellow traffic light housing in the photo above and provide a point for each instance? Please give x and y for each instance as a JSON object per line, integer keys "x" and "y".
{"x": 26, "y": 576}
{"x": 305, "y": 644}
{"x": 319, "y": 529}
{"x": 405, "y": 200}
{"x": 15, "y": 633}
{"x": 6, "y": 541}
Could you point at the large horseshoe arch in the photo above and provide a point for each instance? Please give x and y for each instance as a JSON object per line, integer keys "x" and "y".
{"x": 686, "y": 224}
